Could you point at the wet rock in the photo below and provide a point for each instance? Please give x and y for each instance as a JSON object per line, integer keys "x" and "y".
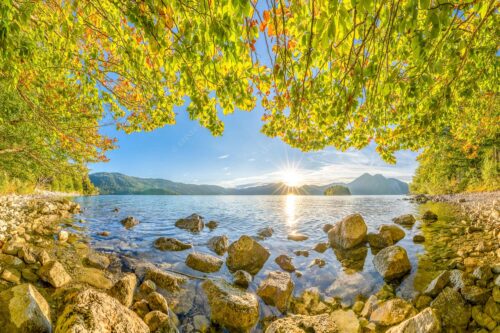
{"x": 285, "y": 263}
{"x": 156, "y": 301}
{"x": 165, "y": 280}
{"x": 311, "y": 303}
{"x": 193, "y": 223}
{"x": 392, "y": 262}
{"x": 171, "y": 244}
{"x": 212, "y": 225}
{"x": 426, "y": 321}
{"x": 147, "y": 287}
{"x": 97, "y": 260}
{"x": 129, "y": 222}
{"x": 318, "y": 262}
{"x": 123, "y": 289}
{"x": 63, "y": 236}
{"x": 370, "y": 305}
{"x": 438, "y": 284}
{"x": 218, "y": 244}
{"x": 201, "y": 323}
{"x": 392, "y": 312}
{"x": 104, "y": 233}
{"x": 155, "y": 319}
{"x": 452, "y": 309}
{"x": 379, "y": 240}
{"x": 203, "y": 262}
{"x": 92, "y": 276}
{"x": 231, "y": 307}
{"x": 141, "y": 308}
{"x": 54, "y": 273}
{"x": 297, "y": 237}
{"x": 265, "y": 232}
{"x": 91, "y": 311}
{"x": 418, "y": 239}
{"x": 475, "y": 295}
{"x": 246, "y": 254}
{"x": 242, "y": 279}
{"x": 327, "y": 227}
{"x": 303, "y": 253}
{"x": 429, "y": 216}
{"x": 321, "y": 247}
{"x": 483, "y": 319}
{"x": 23, "y": 309}
{"x": 11, "y": 275}
{"x": 352, "y": 259}
{"x": 397, "y": 233}
{"x": 276, "y": 290}
{"x": 339, "y": 321}
{"x": 406, "y": 220}
{"x": 348, "y": 233}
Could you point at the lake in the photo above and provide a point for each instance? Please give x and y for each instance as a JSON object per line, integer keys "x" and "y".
{"x": 344, "y": 275}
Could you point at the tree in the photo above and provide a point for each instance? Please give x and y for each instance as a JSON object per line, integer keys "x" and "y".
{"x": 337, "y": 190}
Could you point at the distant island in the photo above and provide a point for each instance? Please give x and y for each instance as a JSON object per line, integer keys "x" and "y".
{"x": 337, "y": 190}
{"x": 117, "y": 183}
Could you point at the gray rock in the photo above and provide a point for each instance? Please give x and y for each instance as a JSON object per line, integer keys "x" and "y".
{"x": 276, "y": 290}
{"x": 246, "y": 254}
{"x": 348, "y": 233}
{"x": 406, "y": 220}
{"x": 203, "y": 262}
{"x": 123, "y": 289}
{"x": 218, "y": 244}
{"x": 438, "y": 284}
{"x": 171, "y": 244}
{"x": 392, "y": 262}
{"x": 193, "y": 223}
{"x": 242, "y": 279}
{"x": 426, "y": 321}
{"x": 452, "y": 309}
{"x": 129, "y": 222}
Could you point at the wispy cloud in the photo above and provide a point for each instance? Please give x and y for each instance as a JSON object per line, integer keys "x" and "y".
{"x": 222, "y": 157}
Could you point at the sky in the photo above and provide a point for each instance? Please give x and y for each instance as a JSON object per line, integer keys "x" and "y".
{"x": 186, "y": 152}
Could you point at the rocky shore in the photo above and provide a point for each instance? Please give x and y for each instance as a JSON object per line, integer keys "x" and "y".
{"x": 51, "y": 280}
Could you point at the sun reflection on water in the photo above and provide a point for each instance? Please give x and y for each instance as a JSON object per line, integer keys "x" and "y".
{"x": 290, "y": 204}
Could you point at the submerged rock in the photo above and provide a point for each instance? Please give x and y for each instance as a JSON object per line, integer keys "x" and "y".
{"x": 379, "y": 240}
{"x": 231, "y": 307}
{"x": 276, "y": 290}
{"x": 165, "y": 280}
{"x": 392, "y": 312}
{"x": 418, "y": 239}
{"x": 321, "y": 247}
{"x": 242, "y": 279}
{"x": 452, "y": 309}
{"x": 246, "y": 254}
{"x": 348, "y": 232}
{"x": 426, "y": 321}
{"x": 23, "y": 309}
{"x": 218, "y": 244}
{"x": 91, "y": 311}
{"x": 203, "y": 262}
{"x": 155, "y": 320}
{"x": 429, "y": 216}
{"x": 157, "y": 302}
{"x": 406, "y": 220}
{"x": 392, "y": 262}
{"x": 212, "y": 225}
{"x": 171, "y": 244}
{"x": 397, "y": 233}
{"x": 339, "y": 321}
{"x": 285, "y": 263}
{"x": 193, "y": 223}
{"x": 129, "y": 222}
{"x": 265, "y": 232}
{"x": 54, "y": 273}
{"x": 123, "y": 289}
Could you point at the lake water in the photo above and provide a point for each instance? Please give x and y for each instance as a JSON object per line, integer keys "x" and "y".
{"x": 344, "y": 275}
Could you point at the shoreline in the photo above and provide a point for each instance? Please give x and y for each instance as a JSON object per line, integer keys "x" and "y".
{"x": 141, "y": 296}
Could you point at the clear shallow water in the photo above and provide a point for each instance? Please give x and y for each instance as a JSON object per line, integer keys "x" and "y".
{"x": 239, "y": 215}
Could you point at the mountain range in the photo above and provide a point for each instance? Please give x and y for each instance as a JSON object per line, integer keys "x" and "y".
{"x": 117, "y": 183}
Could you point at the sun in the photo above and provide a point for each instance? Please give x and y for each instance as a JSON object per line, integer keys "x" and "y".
{"x": 291, "y": 177}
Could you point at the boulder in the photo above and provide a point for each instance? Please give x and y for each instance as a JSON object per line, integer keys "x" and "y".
{"x": 338, "y": 321}
{"x": 459, "y": 279}
{"x": 379, "y": 240}
{"x": 170, "y": 244}
{"x": 165, "y": 280}
{"x": 392, "y": 262}
{"x": 231, "y": 307}
{"x": 129, "y": 222}
{"x": 285, "y": 263}
{"x": 276, "y": 290}
{"x": 193, "y": 223}
{"x": 157, "y": 302}
{"x": 397, "y": 233}
{"x": 54, "y": 273}
{"x": 27, "y": 255}
{"x": 218, "y": 244}
{"x": 91, "y": 311}
{"x": 97, "y": 260}
{"x": 392, "y": 312}
{"x": 429, "y": 216}
{"x": 246, "y": 254}
{"x": 452, "y": 309}
{"x": 203, "y": 262}
{"x": 147, "y": 287}
{"x": 242, "y": 279}
{"x": 348, "y": 233}
{"x": 155, "y": 319}
{"x": 438, "y": 284}
{"x": 406, "y": 220}
{"x": 23, "y": 309}
{"x": 123, "y": 289}
{"x": 92, "y": 276}
{"x": 266, "y": 232}
{"x": 297, "y": 237}
{"x": 475, "y": 295}
{"x": 426, "y": 321}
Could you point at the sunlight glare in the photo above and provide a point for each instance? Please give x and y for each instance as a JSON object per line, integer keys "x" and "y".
{"x": 290, "y": 209}
{"x": 291, "y": 177}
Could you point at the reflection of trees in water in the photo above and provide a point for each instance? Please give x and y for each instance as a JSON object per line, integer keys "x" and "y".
{"x": 352, "y": 259}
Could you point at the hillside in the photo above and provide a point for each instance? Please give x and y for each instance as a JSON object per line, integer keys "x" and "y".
{"x": 117, "y": 183}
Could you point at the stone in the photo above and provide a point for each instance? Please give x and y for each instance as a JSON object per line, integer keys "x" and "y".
{"x": 370, "y": 305}
{"x": 276, "y": 290}
{"x": 141, "y": 308}
{"x": 492, "y": 309}
{"x": 29, "y": 275}
{"x": 23, "y": 309}
{"x": 392, "y": 312}
{"x": 193, "y": 223}
{"x": 129, "y": 222}
{"x": 201, "y": 323}
{"x": 92, "y": 276}
{"x": 392, "y": 262}
{"x": 147, "y": 287}
{"x": 63, "y": 236}
{"x": 483, "y": 273}
{"x": 321, "y": 247}
{"x": 297, "y": 237}
{"x": 348, "y": 233}
{"x": 426, "y": 321}
{"x": 475, "y": 295}
{"x": 452, "y": 309}
{"x": 438, "y": 284}
{"x": 104, "y": 233}
{"x": 318, "y": 262}
{"x": 482, "y": 318}
{"x": 97, "y": 260}
{"x": 242, "y": 279}
{"x": 43, "y": 257}
{"x": 218, "y": 244}
{"x": 379, "y": 240}
{"x": 458, "y": 279}
{"x": 266, "y": 232}
{"x": 231, "y": 307}
{"x": 165, "y": 280}
{"x": 397, "y": 233}
{"x": 55, "y": 274}
{"x": 471, "y": 263}
{"x": 406, "y": 220}
{"x": 327, "y": 227}
{"x": 91, "y": 311}
{"x": 26, "y": 254}
{"x": 285, "y": 263}
{"x": 303, "y": 253}
{"x": 429, "y": 216}
{"x": 123, "y": 289}
{"x": 156, "y": 301}
{"x": 246, "y": 254}
{"x": 422, "y": 302}
{"x": 155, "y": 319}
{"x": 11, "y": 261}
{"x": 212, "y": 225}
{"x": 203, "y": 262}
{"x": 496, "y": 294}
{"x": 11, "y": 275}
{"x": 338, "y": 321}
{"x": 170, "y": 244}
{"x": 418, "y": 239}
